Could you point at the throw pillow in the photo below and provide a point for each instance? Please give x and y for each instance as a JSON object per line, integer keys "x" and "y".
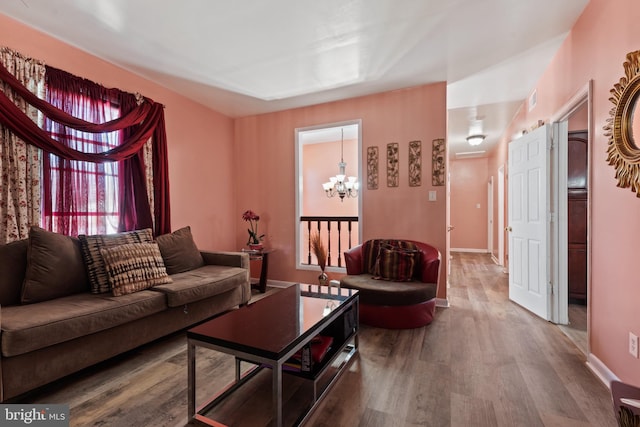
{"x": 54, "y": 267}
{"x": 133, "y": 267}
{"x": 93, "y": 260}
{"x": 179, "y": 251}
{"x": 395, "y": 263}
{"x": 13, "y": 267}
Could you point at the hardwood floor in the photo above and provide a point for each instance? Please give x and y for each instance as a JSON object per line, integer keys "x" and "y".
{"x": 482, "y": 362}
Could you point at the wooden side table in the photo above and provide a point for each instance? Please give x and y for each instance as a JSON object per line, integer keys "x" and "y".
{"x": 261, "y": 255}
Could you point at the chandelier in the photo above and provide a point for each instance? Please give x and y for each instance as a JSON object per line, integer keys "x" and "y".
{"x": 337, "y": 186}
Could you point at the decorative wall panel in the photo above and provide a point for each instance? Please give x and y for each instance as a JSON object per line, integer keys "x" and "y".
{"x": 415, "y": 163}
{"x": 372, "y": 168}
{"x": 393, "y": 175}
{"x": 438, "y": 163}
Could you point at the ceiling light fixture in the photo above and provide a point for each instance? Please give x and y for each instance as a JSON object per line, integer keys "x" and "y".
{"x": 475, "y": 139}
{"x": 337, "y": 184}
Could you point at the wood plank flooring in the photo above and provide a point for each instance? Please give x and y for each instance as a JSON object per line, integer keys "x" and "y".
{"x": 482, "y": 362}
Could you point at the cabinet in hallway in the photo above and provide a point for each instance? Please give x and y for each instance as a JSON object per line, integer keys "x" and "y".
{"x": 577, "y": 215}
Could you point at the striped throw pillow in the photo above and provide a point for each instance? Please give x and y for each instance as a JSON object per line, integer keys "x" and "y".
{"x": 133, "y": 267}
{"x": 91, "y": 246}
{"x": 395, "y": 263}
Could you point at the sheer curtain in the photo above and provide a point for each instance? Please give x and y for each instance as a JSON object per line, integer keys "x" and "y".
{"x": 19, "y": 161}
{"x": 80, "y": 197}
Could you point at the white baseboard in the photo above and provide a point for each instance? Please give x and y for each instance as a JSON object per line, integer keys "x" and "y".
{"x": 442, "y": 302}
{"x": 477, "y": 251}
{"x": 601, "y": 370}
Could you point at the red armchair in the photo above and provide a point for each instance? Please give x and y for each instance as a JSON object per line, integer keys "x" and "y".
{"x": 406, "y": 301}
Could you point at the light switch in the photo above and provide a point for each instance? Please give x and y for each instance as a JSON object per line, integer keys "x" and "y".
{"x": 432, "y": 196}
{"x": 478, "y": 206}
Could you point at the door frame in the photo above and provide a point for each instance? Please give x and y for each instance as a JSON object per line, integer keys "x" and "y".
{"x": 501, "y": 230}
{"x": 490, "y": 216}
{"x": 559, "y": 232}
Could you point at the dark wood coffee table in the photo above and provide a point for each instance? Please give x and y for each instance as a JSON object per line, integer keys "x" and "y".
{"x": 269, "y": 332}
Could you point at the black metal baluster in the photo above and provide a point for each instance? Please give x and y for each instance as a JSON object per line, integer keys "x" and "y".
{"x": 339, "y": 244}
{"x": 329, "y": 242}
{"x": 309, "y": 242}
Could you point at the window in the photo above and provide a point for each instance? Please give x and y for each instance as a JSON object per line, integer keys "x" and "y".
{"x": 84, "y": 196}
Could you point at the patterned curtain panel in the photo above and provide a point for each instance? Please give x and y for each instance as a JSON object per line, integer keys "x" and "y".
{"x": 20, "y": 163}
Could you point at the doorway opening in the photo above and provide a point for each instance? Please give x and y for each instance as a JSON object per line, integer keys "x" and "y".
{"x": 320, "y": 152}
{"x": 572, "y": 302}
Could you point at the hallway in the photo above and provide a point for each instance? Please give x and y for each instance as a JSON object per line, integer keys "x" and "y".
{"x": 529, "y": 372}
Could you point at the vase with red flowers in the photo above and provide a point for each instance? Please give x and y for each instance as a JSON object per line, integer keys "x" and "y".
{"x": 255, "y": 239}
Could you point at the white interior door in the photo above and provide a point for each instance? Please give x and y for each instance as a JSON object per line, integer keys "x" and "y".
{"x": 529, "y": 169}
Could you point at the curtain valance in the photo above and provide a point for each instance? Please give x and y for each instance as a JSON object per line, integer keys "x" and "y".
{"x": 139, "y": 123}
{"x": 147, "y": 115}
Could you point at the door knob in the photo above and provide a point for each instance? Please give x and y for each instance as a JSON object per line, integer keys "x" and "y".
{"x": 509, "y": 229}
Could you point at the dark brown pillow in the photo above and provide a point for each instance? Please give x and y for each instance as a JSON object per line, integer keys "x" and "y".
{"x": 13, "y": 267}
{"x": 54, "y": 267}
{"x": 179, "y": 251}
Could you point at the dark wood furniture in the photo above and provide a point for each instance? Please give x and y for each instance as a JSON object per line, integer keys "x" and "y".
{"x": 261, "y": 255}
{"x": 268, "y": 333}
{"x": 577, "y": 215}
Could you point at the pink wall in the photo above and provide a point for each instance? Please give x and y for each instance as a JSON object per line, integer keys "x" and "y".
{"x": 469, "y": 178}
{"x": 267, "y": 173}
{"x": 595, "y": 49}
{"x": 321, "y": 162}
{"x": 579, "y": 120}
{"x": 200, "y": 140}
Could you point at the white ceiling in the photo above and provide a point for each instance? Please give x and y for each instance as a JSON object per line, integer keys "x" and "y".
{"x": 249, "y": 57}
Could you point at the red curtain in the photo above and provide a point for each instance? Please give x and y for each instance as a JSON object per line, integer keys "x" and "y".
{"x": 138, "y": 123}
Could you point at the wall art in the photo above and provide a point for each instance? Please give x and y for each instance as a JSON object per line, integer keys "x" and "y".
{"x": 393, "y": 167}
{"x": 438, "y": 163}
{"x": 623, "y": 128}
{"x": 415, "y": 163}
{"x": 372, "y": 168}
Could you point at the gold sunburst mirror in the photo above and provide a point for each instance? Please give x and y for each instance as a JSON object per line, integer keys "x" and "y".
{"x": 623, "y": 126}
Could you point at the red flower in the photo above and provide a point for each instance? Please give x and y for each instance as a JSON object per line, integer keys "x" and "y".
{"x": 250, "y": 215}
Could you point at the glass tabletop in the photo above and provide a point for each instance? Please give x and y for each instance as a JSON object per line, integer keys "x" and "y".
{"x": 272, "y": 326}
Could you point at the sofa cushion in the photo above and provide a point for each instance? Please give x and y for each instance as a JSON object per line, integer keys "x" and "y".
{"x": 179, "y": 251}
{"x": 384, "y": 292}
{"x": 93, "y": 260}
{"x": 54, "y": 267}
{"x": 203, "y": 282}
{"x": 29, "y": 327}
{"x": 13, "y": 266}
{"x": 396, "y": 263}
{"x": 134, "y": 267}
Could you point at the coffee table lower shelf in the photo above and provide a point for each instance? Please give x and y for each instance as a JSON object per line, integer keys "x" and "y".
{"x": 326, "y": 374}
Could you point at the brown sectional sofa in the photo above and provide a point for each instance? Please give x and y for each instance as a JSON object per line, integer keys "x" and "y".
{"x": 71, "y": 328}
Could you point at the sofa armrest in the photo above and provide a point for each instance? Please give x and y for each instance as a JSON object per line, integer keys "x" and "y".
{"x": 231, "y": 259}
{"x": 353, "y": 260}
